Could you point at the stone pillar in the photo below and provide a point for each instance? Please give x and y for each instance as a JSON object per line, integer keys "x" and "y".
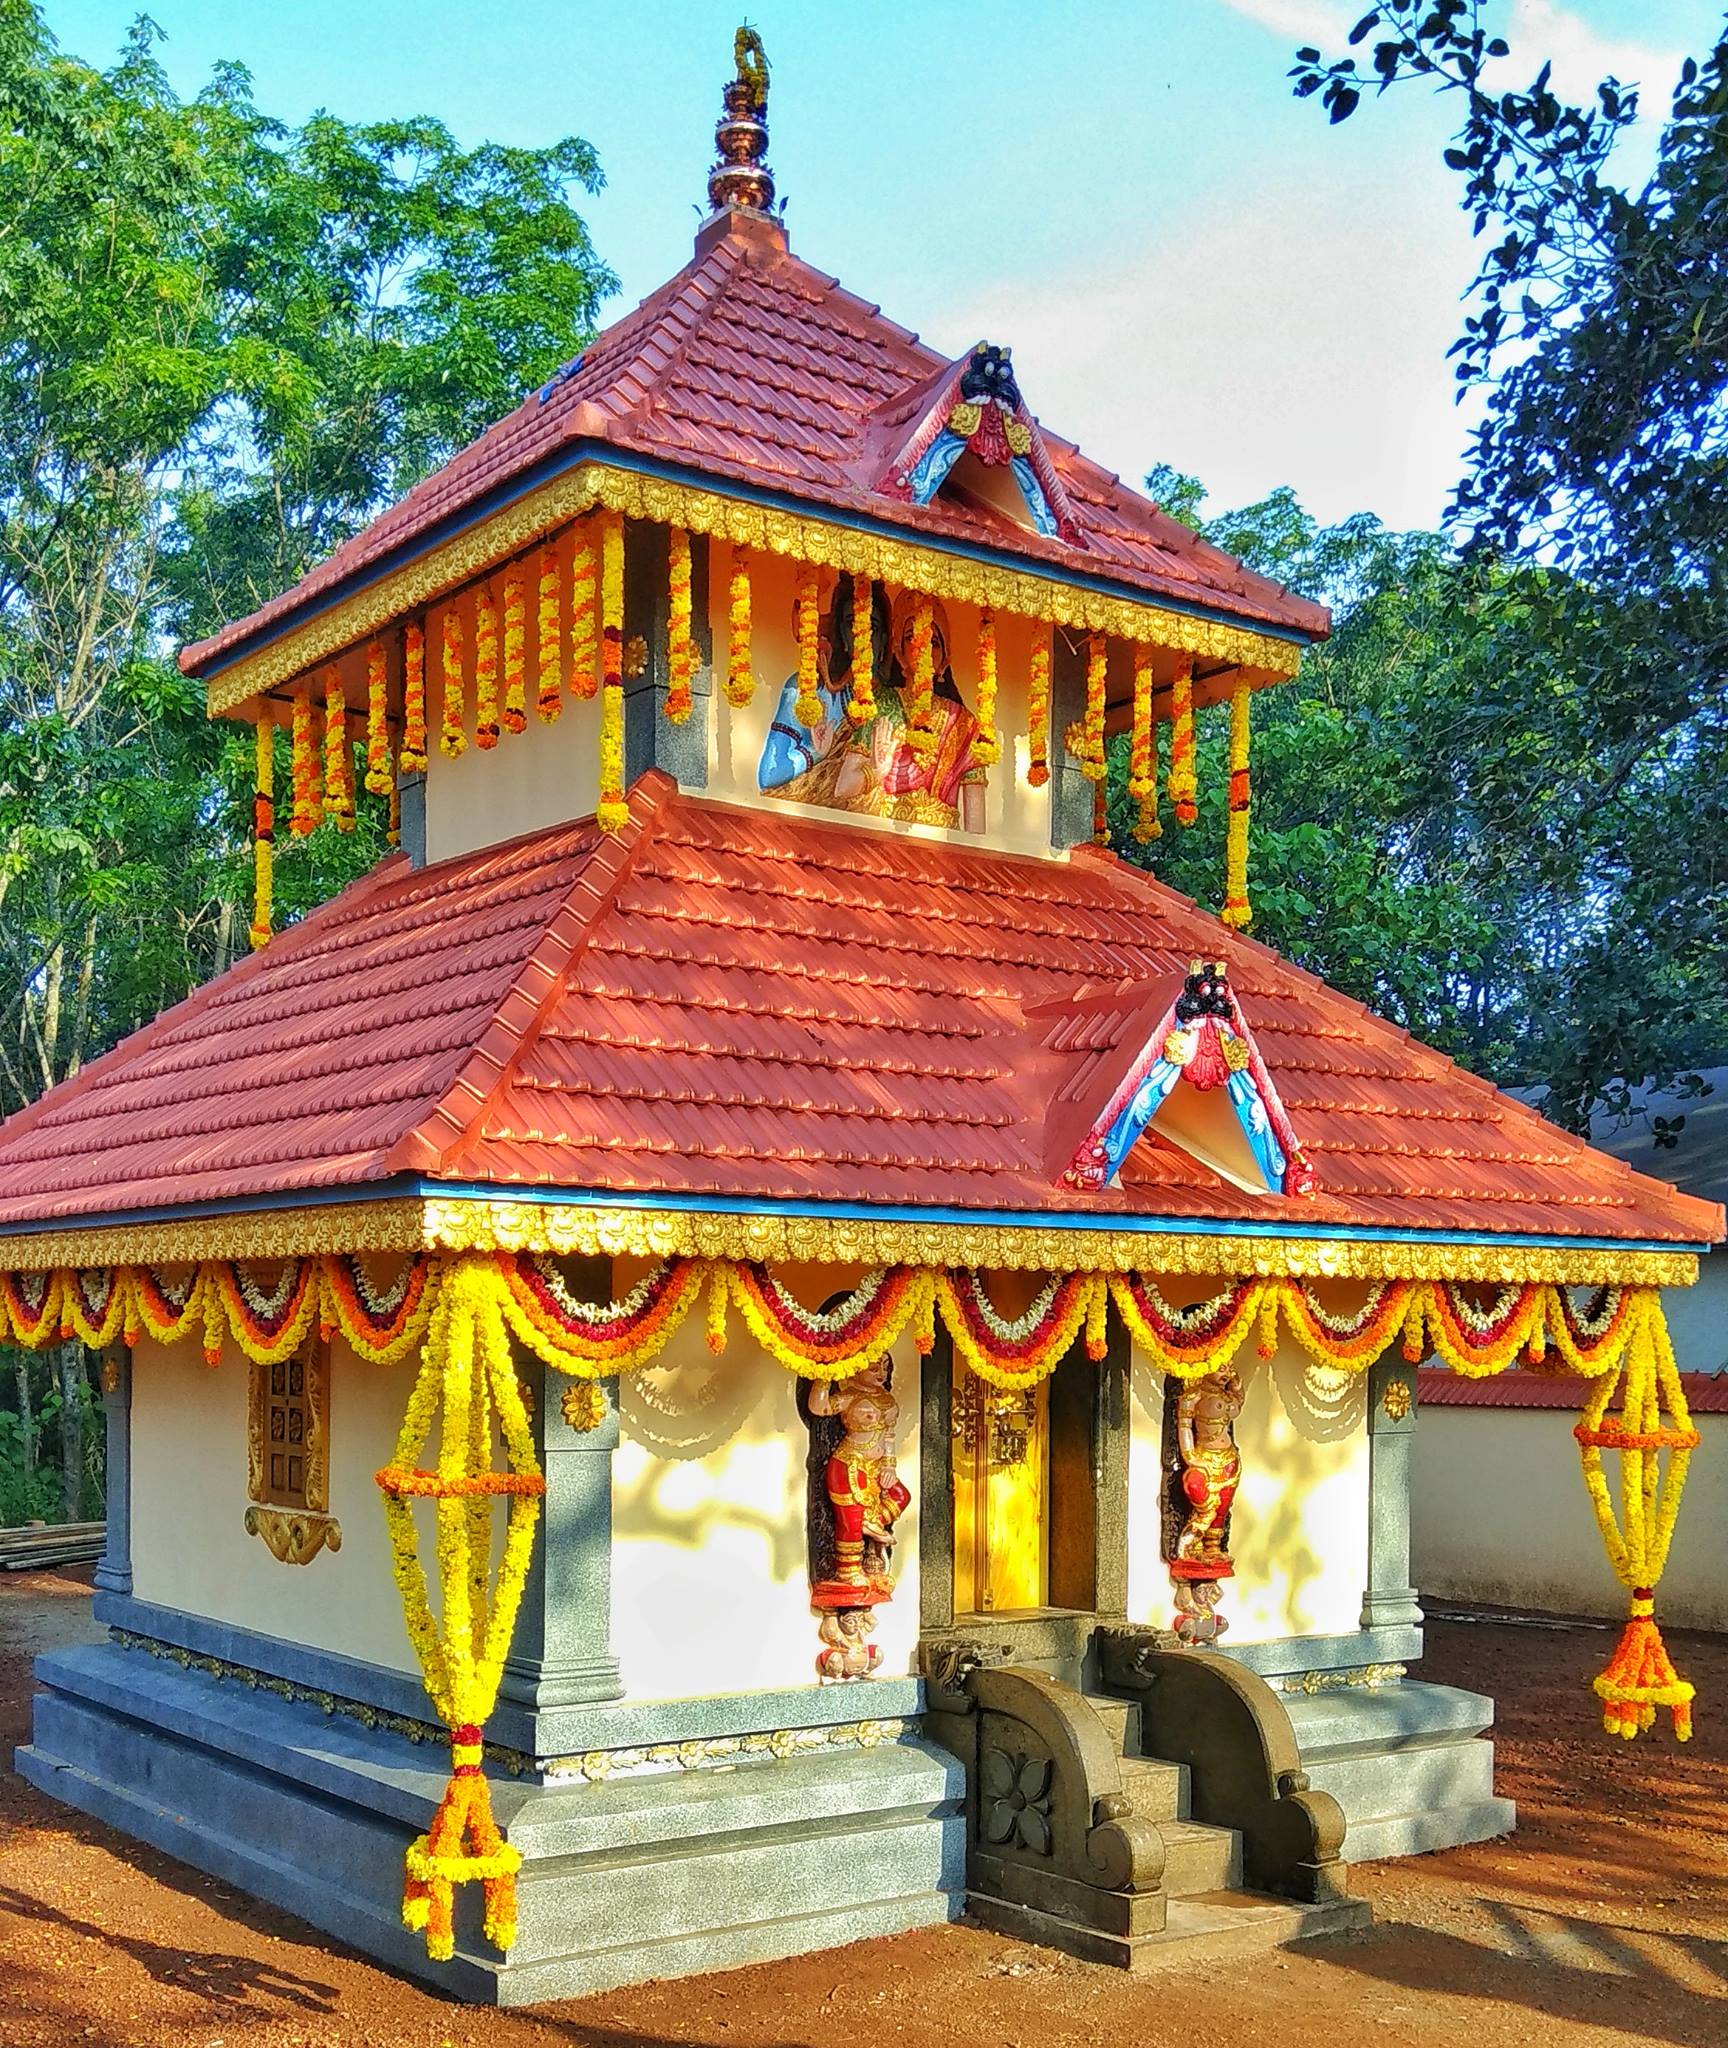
{"x": 651, "y": 740}
{"x": 561, "y": 1653}
{"x": 1070, "y": 791}
{"x": 412, "y": 834}
{"x": 1389, "y": 1600}
{"x": 114, "y": 1573}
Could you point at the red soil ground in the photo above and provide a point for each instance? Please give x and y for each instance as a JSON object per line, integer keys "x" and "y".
{"x": 1604, "y": 1920}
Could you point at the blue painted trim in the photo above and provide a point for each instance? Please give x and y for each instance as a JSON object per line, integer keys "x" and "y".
{"x": 580, "y": 452}
{"x": 847, "y": 1212}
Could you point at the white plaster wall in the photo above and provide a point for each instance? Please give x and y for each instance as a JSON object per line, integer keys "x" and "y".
{"x": 1299, "y": 1525}
{"x": 1499, "y": 1513}
{"x": 710, "y": 1585}
{"x": 190, "y": 1549}
{"x": 548, "y": 775}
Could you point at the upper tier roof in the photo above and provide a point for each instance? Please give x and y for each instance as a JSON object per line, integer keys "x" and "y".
{"x": 753, "y": 369}
{"x": 722, "y": 1002}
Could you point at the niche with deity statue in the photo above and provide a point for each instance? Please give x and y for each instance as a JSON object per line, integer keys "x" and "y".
{"x": 855, "y": 1498}
{"x": 1202, "y": 1468}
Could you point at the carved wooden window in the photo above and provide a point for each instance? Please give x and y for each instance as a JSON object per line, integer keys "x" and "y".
{"x": 287, "y": 1454}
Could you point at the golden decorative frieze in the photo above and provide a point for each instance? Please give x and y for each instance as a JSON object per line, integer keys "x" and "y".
{"x": 386, "y": 1226}
{"x": 293, "y": 1536}
{"x": 799, "y": 536}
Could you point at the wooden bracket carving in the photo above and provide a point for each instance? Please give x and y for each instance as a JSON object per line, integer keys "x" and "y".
{"x": 293, "y": 1537}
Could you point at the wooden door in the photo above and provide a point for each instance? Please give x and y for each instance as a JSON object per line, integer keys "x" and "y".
{"x": 1001, "y": 1461}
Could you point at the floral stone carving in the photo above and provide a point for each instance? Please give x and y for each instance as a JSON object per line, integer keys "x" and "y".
{"x": 1014, "y": 1791}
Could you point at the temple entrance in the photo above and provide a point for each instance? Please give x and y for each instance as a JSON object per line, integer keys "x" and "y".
{"x": 1001, "y": 1477}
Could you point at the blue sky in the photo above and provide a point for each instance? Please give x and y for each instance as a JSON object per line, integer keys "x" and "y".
{"x": 1189, "y": 265}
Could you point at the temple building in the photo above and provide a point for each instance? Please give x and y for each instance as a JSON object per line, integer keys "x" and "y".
{"x": 754, "y": 1340}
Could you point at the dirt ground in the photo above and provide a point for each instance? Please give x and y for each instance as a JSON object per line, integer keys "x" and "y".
{"x": 1603, "y": 1920}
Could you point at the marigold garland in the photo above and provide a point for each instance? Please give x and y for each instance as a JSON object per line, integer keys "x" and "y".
{"x": 613, "y": 812}
{"x": 584, "y": 614}
{"x": 453, "y": 739}
{"x": 1038, "y": 713}
{"x": 378, "y": 776}
{"x": 740, "y": 671}
{"x": 1183, "y": 787}
{"x": 987, "y": 747}
{"x": 680, "y": 647}
{"x": 548, "y": 700}
{"x": 920, "y": 679}
{"x": 861, "y": 696}
{"x": 1238, "y": 913}
{"x": 412, "y": 759}
{"x": 1092, "y": 763}
{"x": 303, "y": 761}
{"x": 515, "y": 714}
{"x": 263, "y": 829}
{"x": 1143, "y": 752}
{"x": 485, "y": 669}
{"x": 807, "y": 706}
{"x": 338, "y": 757}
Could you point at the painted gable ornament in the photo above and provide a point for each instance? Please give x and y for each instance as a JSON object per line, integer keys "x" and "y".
{"x": 1202, "y": 1053}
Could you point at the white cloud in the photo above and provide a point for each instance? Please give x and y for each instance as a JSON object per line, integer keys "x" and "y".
{"x": 1582, "y": 56}
{"x": 1322, "y": 22}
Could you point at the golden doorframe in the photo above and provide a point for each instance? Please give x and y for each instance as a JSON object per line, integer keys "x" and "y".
{"x": 1000, "y": 1474}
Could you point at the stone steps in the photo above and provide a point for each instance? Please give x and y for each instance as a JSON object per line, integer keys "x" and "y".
{"x": 1197, "y": 1858}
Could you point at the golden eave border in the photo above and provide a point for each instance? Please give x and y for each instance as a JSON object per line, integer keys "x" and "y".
{"x": 447, "y": 1223}
{"x": 800, "y": 536}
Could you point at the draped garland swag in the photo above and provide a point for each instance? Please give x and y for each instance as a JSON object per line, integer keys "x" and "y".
{"x": 460, "y": 1311}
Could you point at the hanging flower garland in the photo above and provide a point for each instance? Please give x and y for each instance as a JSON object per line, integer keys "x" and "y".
{"x": 740, "y": 673}
{"x": 833, "y": 1345}
{"x": 485, "y": 669}
{"x": 613, "y": 812}
{"x": 595, "y": 1341}
{"x": 263, "y": 829}
{"x": 548, "y": 701}
{"x": 303, "y": 762}
{"x": 1352, "y": 1341}
{"x": 381, "y": 1324}
{"x": 93, "y": 1306}
{"x": 515, "y": 714}
{"x": 412, "y": 759}
{"x": 1187, "y": 1342}
{"x": 1092, "y": 763}
{"x": 1184, "y": 788}
{"x": 680, "y": 647}
{"x": 1038, "y": 713}
{"x": 378, "y": 776}
{"x": 1640, "y": 1677}
{"x": 987, "y": 747}
{"x": 338, "y": 758}
{"x": 452, "y": 740}
{"x": 1021, "y": 1350}
{"x": 1143, "y": 752}
{"x": 807, "y": 707}
{"x": 584, "y": 613}
{"x": 1238, "y": 913}
{"x": 861, "y": 696}
{"x": 920, "y": 681}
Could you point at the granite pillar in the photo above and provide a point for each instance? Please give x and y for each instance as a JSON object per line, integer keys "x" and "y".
{"x": 114, "y": 1572}
{"x": 1389, "y": 1600}
{"x": 1070, "y": 790}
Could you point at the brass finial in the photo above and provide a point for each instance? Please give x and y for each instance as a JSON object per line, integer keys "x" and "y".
{"x": 741, "y": 178}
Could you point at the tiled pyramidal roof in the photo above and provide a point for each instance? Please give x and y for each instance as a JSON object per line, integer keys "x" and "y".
{"x": 732, "y": 1002}
{"x": 752, "y": 368}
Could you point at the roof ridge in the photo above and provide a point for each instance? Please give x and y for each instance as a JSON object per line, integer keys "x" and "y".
{"x": 541, "y": 979}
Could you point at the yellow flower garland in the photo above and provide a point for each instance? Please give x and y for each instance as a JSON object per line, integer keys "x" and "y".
{"x": 485, "y": 669}
{"x": 1038, "y": 713}
{"x": 263, "y": 829}
{"x": 807, "y": 707}
{"x": 1238, "y": 913}
{"x": 920, "y": 699}
{"x": 548, "y": 701}
{"x": 987, "y": 747}
{"x": 740, "y": 672}
{"x": 861, "y": 696}
{"x": 1142, "y": 751}
{"x": 613, "y": 812}
{"x": 412, "y": 760}
{"x": 1183, "y": 787}
{"x": 338, "y": 760}
{"x": 584, "y": 614}
{"x": 303, "y": 760}
{"x": 680, "y": 648}
{"x": 1092, "y": 745}
{"x": 515, "y": 717}
{"x": 378, "y": 776}
{"x": 453, "y": 739}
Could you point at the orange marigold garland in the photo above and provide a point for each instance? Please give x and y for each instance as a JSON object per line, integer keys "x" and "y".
{"x": 1092, "y": 744}
{"x": 1238, "y": 912}
{"x": 807, "y": 707}
{"x": 920, "y": 681}
{"x": 1143, "y": 752}
{"x": 613, "y": 811}
{"x": 412, "y": 760}
{"x": 338, "y": 760}
{"x": 263, "y": 829}
{"x": 452, "y": 740}
{"x": 378, "y": 776}
{"x": 680, "y": 648}
{"x": 515, "y": 650}
{"x": 861, "y": 696}
{"x": 584, "y": 615}
{"x": 303, "y": 756}
{"x": 1183, "y": 787}
{"x": 548, "y": 703}
{"x": 485, "y": 669}
{"x": 987, "y": 747}
{"x": 740, "y": 670}
{"x": 1038, "y": 713}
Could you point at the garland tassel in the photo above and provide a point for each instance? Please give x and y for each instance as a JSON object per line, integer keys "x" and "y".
{"x": 613, "y": 812}
{"x": 452, "y": 740}
{"x": 987, "y": 747}
{"x": 338, "y": 761}
{"x": 412, "y": 760}
{"x": 303, "y": 756}
{"x": 1182, "y": 784}
{"x": 1143, "y": 752}
{"x": 515, "y": 650}
{"x": 920, "y": 682}
{"x": 378, "y": 776}
{"x": 1238, "y": 912}
{"x": 1038, "y": 713}
{"x": 584, "y": 615}
{"x": 861, "y": 697}
{"x": 547, "y": 703}
{"x": 808, "y": 705}
{"x": 740, "y": 672}
{"x": 485, "y": 669}
{"x": 680, "y": 648}
{"x": 1092, "y": 744}
{"x": 263, "y": 830}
